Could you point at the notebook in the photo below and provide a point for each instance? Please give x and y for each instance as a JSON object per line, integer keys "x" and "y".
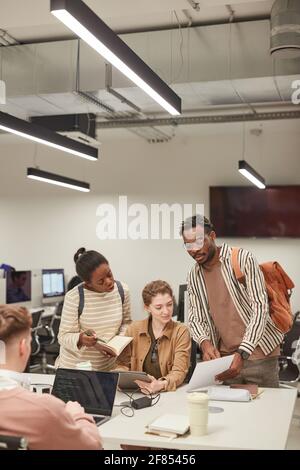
{"x": 170, "y": 423}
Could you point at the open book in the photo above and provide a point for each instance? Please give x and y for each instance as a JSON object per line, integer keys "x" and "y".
{"x": 115, "y": 345}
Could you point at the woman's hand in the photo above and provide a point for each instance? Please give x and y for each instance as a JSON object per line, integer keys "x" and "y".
{"x": 155, "y": 386}
{"x": 89, "y": 340}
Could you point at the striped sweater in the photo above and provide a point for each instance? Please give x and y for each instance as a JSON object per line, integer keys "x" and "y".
{"x": 251, "y": 303}
{"x": 103, "y": 313}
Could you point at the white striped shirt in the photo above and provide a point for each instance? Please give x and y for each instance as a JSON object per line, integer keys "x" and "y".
{"x": 103, "y": 313}
{"x": 251, "y": 303}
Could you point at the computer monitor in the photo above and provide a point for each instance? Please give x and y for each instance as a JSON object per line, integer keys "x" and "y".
{"x": 18, "y": 287}
{"x": 53, "y": 285}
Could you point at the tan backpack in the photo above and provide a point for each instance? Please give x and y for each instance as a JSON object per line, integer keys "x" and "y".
{"x": 279, "y": 289}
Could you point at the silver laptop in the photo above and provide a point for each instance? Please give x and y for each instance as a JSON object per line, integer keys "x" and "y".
{"x": 95, "y": 391}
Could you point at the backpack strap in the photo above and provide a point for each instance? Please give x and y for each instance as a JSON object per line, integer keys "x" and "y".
{"x": 236, "y": 265}
{"x": 121, "y": 291}
{"x": 81, "y": 296}
{"x": 81, "y": 299}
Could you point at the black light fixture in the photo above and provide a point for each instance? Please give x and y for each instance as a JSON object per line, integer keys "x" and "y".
{"x": 80, "y": 19}
{"x": 246, "y": 170}
{"x": 45, "y": 136}
{"x": 58, "y": 180}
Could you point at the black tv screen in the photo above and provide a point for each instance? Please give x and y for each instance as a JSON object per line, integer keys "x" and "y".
{"x": 242, "y": 211}
{"x": 18, "y": 287}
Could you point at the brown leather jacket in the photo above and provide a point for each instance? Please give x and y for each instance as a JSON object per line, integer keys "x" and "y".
{"x": 174, "y": 349}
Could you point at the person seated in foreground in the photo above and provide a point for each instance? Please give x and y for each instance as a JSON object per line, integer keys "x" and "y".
{"x": 160, "y": 346}
{"x": 46, "y": 422}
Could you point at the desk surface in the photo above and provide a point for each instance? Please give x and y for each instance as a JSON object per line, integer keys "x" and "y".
{"x": 260, "y": 424}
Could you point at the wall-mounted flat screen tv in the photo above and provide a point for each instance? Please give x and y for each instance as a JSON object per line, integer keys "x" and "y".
{"x": 242, "y": 211}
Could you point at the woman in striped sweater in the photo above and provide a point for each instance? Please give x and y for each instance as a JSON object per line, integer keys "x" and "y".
{"x": 104, "y": 313}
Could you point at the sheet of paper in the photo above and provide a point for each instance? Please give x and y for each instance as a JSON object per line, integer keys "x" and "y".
{"x": 205, "y": 372}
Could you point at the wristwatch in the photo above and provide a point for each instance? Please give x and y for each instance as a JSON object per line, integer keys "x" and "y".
{"x": 244, "y": 355}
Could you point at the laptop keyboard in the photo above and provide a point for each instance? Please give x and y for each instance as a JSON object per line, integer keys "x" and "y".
{"x": 67, "y": 389}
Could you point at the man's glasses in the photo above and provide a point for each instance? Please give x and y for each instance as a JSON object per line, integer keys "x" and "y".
{"x": 197, "y": 244}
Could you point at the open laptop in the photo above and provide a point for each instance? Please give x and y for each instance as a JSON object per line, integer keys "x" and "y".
{"x": 95, "y": 391}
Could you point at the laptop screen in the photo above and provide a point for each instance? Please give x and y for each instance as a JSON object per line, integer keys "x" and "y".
{"x": 95, "y": 391}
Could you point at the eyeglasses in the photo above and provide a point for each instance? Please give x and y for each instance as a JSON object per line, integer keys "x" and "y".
{"x": 197, "y": 244}
{"x": 154, "y": 352}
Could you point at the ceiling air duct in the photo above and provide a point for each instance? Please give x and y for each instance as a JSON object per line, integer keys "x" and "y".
{"x": 285, "y": 29}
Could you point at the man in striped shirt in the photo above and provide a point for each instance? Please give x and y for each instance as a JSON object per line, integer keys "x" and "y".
{"x": 226, "y": 317}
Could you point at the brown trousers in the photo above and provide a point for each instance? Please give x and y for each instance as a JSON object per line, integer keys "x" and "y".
{"x": 263, "y": 372}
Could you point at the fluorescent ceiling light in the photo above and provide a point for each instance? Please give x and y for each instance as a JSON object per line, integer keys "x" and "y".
{"x": 45, "y": 136}
{"x": 51, "y": 178}
{"x": 80, "y": 19}
{"x": 249, "y": 173}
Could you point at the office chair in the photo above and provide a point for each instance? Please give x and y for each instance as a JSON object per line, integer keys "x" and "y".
{"x": 194, "y": 350}
{"x": 13, "y": 443}
{"x": 45, "y": 336}
{"x": 289, "y": 360}
{"x": 36, "y": 323}
{"x": 53, "y": 348}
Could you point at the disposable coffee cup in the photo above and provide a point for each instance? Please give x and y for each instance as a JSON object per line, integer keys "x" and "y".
{"x": 198, "y": 413}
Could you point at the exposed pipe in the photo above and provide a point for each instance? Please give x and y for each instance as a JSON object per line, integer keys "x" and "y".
{"x": 7, "y": 39}
{"x": 215, "y": 119}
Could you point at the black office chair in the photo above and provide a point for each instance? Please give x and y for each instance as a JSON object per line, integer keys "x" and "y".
{"x": 45, "y": 336}
{"x": 13, "y": 443}
{"x": 194, "y": 352}
{"x": 289, "y": 360}
{"x": 36, "y": 323}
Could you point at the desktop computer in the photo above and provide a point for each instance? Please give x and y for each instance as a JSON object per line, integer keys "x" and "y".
{"x": 53, "y": 285}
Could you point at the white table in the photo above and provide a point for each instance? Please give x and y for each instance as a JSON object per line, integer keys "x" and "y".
{"x": 260, "y": 424}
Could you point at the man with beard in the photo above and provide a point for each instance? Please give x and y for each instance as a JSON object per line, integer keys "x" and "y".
{"x": 225, "y": 316}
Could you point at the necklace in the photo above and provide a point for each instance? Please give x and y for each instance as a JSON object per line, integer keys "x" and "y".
{"x": 156, "y": 336}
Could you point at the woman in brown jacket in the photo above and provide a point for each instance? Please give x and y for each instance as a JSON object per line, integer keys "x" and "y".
{"x": 160, "y": 346}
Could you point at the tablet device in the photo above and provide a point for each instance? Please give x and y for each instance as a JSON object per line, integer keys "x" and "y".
{"x": 127, "y": 379}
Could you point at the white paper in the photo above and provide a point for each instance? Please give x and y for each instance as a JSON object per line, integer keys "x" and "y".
{"x": 205, "y": 372}
{"x": 222, "y": 393}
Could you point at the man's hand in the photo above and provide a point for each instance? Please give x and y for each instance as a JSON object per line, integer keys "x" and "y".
{"x": 74, "y": 408}
{"x": 234, "y": 369}
{"x": 209, "y": 351}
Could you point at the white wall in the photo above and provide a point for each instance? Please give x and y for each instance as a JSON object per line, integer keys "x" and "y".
{"x": 42, "y": 226}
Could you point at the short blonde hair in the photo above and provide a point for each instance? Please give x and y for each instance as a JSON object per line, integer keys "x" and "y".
{"x": 13, "y": 320}
{"x": 154, "y": 288}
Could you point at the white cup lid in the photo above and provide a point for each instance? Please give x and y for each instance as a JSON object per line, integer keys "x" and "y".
{"x": 198, "y": 397}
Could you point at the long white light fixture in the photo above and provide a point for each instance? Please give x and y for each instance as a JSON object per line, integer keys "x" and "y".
{"x": 45, "y": 136}
{"x": 80, "y": 19}
{"x": 58, "y": 180}
{"x": 246, "y": 170}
